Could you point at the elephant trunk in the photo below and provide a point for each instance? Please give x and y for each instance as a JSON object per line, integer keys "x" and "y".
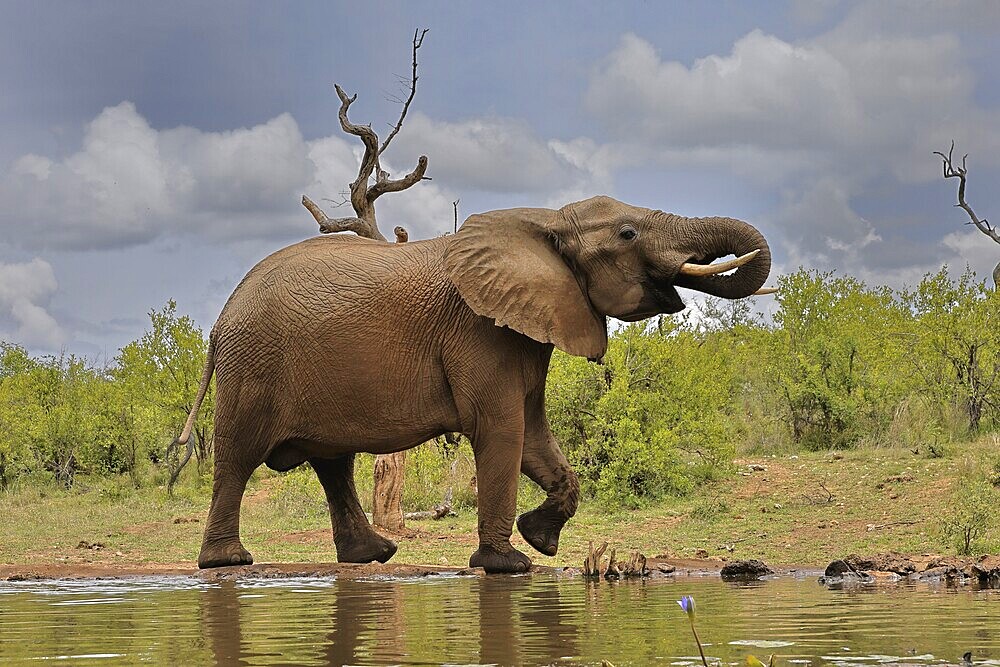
{"x": 707, "y": 239}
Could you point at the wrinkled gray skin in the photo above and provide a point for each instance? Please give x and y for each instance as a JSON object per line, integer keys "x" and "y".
{"x": 339, "y": 345}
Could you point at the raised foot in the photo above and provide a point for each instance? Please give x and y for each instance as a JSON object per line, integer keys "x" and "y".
{"x": 224, "y": 555}
{"x": 541, "y": 530}
{"x": 365, "y": 549}
{"x": 495, "y": 562}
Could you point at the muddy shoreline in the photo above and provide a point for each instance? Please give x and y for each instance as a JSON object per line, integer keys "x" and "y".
{"x": 878, "y": 569}
{"x": 658, "y": 567}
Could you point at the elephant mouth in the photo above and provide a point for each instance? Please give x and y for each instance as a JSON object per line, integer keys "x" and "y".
{"x": 661, "y": 299}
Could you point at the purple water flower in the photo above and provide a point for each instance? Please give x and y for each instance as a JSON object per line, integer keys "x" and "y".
{"x": 687, "y": 604}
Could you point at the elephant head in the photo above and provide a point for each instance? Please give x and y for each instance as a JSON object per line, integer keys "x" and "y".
{"x": 554, "y": 275}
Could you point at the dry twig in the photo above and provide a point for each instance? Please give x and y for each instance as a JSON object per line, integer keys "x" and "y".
{"x": 949, "y": 170}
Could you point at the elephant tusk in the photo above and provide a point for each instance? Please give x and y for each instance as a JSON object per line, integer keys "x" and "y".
{"x": 765, "y": 290}
{"x": 689, "y": 269}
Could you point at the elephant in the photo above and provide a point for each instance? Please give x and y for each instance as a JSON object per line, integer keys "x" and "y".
{"x": 339, "y": 344}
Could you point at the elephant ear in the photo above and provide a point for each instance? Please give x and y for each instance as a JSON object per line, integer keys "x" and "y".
{"x": 507, "y": 266}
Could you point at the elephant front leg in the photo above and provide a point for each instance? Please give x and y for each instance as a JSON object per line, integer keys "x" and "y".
{"x": 545, "y": 464}
{"x": 498, "y": 461}
{"x": 355, "y": 539}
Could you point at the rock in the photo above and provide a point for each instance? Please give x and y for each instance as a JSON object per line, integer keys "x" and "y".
{"x": 844, "y": 570}
{"x": 987, "y": 570}
{"x": 666, "y": 568}
{"x": 95, "y": 546}
{"x": 886, "y": 562}
{"x": 745, "y": 570}
{"x": 838, "y": 568}
{"x": 936, "y": 573}
{"x": 890, "y": 567}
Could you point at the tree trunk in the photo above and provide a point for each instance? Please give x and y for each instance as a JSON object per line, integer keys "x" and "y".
{"x": 387, "y": 498}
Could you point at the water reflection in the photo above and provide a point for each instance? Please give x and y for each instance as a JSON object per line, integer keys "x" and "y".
{"x": 220, "y": 616}
{"x": 488, "y": 620}
{"x": 518, "y": 619}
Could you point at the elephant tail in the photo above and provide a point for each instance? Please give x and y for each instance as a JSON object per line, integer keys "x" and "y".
{"x": 185, "y": 437}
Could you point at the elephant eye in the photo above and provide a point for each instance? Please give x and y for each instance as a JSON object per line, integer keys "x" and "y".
{"x": 627, "y": 233}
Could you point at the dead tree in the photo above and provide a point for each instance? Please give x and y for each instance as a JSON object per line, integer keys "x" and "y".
{"x": 951, "y": 171}
{"x": 372, "y": 182}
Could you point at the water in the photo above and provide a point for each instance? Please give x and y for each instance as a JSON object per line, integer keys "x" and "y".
{"x": 493, "y": 620}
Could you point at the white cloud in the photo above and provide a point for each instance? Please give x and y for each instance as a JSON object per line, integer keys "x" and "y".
{"x": 974, "y": 249}
{"x": 820, "y": 227}
{"x": 33, "y": 165}
{"x": 848, "y": 99}
{"x": 25, "y": 289}
{"x": 821, "y": 121}
{"x": 501, "y": 155}
{"x": 130, "y": 183}
{"x": 248, "y": 169}
{"x": 766, "y": 92}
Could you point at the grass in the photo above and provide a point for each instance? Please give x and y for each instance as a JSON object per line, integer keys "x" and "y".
{"x": 806, "y": 508}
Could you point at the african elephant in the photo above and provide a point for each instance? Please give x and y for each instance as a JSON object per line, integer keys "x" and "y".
{"x": 339, "y": 344}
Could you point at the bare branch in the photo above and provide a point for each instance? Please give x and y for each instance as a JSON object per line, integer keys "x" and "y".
{"x": 316, "y": 211}
{"x": 418, "y": 40}
{"x": 949, "y": 170}
{"x": 329, "y": 225}
{"x": 363, "y": 195}
{"x": 387, "y": 185}
{"x": 337, "y": 225}
{"x": 369, "y": 162}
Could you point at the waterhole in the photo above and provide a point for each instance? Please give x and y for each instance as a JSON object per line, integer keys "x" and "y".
{"x": 457, "y": 620}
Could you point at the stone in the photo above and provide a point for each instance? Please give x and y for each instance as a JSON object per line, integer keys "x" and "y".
{"x": 745, "y": 570}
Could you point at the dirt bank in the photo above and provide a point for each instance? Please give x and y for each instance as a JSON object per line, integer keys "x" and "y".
{"x": 659, "y": 567}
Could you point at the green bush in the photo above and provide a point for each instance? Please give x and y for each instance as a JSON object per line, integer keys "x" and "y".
{"x": 841, "y": 364}
{"x": 972, "y": 513}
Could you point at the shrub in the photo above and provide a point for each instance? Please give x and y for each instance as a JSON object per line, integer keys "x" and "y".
{"x": 972, "y": 515}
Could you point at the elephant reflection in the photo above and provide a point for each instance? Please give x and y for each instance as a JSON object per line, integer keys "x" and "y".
{"x": 520, "y": 620}
{"x": 524, "y": 620}
{"x": 220, "y": 617}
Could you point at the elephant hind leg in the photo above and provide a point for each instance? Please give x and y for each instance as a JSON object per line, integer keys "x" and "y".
{"x": 355, "y": 539}
{"x": 221, "y": 544}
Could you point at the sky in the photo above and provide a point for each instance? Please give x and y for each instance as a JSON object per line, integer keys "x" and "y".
{"x": 153, "y": 151}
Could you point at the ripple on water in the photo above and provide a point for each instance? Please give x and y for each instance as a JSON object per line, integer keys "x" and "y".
{"x": 482, "y": 620}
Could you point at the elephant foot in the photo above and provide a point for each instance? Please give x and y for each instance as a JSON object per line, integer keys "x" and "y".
{"x": 223, "y": 555}
{"x": 365, "y": 548}
{"x": 541, "y": 530}
{"x": 496, "y": 562}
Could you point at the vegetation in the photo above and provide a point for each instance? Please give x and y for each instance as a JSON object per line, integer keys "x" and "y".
{"x": 62, "y": 415}
{"x": 839, "y": 365}
{"x": 804, "y": 509}
{"x": 972, "y": 510}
